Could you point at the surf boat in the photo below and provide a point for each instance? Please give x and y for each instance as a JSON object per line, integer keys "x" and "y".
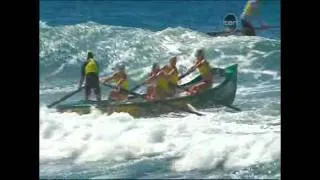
{"x": 222, "y": 93}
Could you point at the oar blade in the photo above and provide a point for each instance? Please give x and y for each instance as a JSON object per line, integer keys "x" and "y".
{"x": 233, "y": 107}
{"x": 194, "y": 110}
{"x": 64, "y": 97}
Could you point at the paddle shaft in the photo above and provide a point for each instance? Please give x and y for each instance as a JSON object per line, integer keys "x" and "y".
{"x": 142, "y": 96}
{"x": 184, "y": 75}
{"x": 65, "y": 97}
{"x": 137, "y": 86}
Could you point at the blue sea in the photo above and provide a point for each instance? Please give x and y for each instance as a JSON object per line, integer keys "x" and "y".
{"x": 223, "y": 144}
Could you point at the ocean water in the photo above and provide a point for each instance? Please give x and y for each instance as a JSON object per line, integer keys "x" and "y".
{"x": 221, "y": 144}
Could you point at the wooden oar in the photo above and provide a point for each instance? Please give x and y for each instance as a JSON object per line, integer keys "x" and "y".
{"x": 137, "y": 86}
{"x": 65, "y": 97}
{"x": 184, "y": 75}
{"x": 226, "y": 105}
{"x": 162, "y": 102}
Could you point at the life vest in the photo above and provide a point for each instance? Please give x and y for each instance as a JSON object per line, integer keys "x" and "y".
{"x": 91, "y": 67}
{"x": 162, "y": 83}
{"x": 118, "y": 77}
{"x": 204, "y": 69}
{"x": 174, "y": 78}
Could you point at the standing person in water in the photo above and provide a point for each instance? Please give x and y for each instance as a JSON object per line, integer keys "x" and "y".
{"x": 251, "y": 12}
{"x": 90, "y": 73}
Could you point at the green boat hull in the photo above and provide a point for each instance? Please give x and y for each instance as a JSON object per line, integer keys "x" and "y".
{"x": 222, "y": 94}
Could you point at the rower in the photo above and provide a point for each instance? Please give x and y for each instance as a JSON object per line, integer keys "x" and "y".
{"x": 161, "y": 84}
{"x": 121, "y": 80}
{"x": 172, "y": 74}
{"x": 90, "y": 73}
{"x": 152, "y": 88}
{"x": 165, "y": 80}
{"x": 251, "y": 10}
{"x": 205, "y": 71}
